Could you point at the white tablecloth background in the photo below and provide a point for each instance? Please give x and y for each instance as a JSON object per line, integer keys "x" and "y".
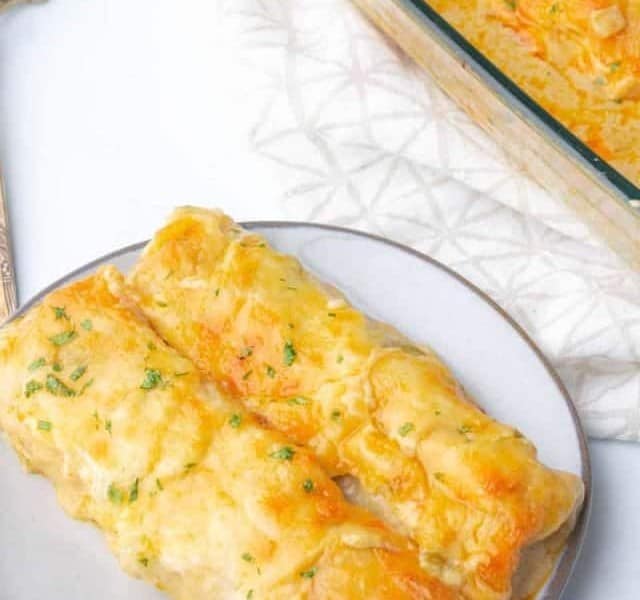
{"x": 112, "y": 112}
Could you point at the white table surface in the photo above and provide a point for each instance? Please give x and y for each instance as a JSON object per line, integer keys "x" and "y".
{"x": 112, "y": 112}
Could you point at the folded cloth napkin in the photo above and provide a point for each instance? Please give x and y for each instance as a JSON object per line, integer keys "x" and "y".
{"x": 356, "y": 135}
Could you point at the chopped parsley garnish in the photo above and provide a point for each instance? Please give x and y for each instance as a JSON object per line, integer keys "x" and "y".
{"x": 247, "y": 557}
{"x": 31, "y": 388}
{"x": 57, "y": 388}
{"x": 151, "y": 346}
{"x": 144, "y": 561}
{"x": 284, "y": 453}
{"x": 271, "y": 372}
{"x": 44, "y": 425}
{"x": 36, "y": 364}
{"x": 335, "y": 415}
{"x": 247, "y": 375}
{"x": 77, "y": 373}
{"x": 63, "y": 338}
{"x": 57, "y": 367}
{"x": 464, "y": 429}
{"x": 114, "y": 494}
{"x": 248, "y": 351}
{"x": 107, "y": 426}
{"x": 60, "y": 313}
{"x": 181, "y": 374}
{"x": 87, "y": 325}
{"x": 340, "y": 358}
{"x": 308, "y": 486}
{"x": 298, "y": 401}
{"x": 235, "y": 421}
{"x": 133, "y": 492}
{"x": 310, "y": 574}
{"x": 439, "y": 476}
{"x": 406, "y": 429}
{"x": 249, "y": 594}
{"x": 189, "y": 466}
{"x": 217, "y": 292}
{"x": 159, "y": 485}
{"x": 438, "y": 413}
{"x": 162, "y": 304}
{"x": 152, "y": 379}
{"x": 331, "y": 314}
{"x": 289, "y": 354}
{"x": 614, "y": 66}
{"x": 86, "y": 385}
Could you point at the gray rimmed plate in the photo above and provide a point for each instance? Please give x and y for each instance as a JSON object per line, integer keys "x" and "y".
{"x": 47, "y": 555}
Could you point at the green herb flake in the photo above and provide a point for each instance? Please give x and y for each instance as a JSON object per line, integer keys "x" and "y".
{"x": 464, "y": 429}
{"x": 308, "y": 486}
{"x": 133, "y": 492}
{"x": 235, "y": 420}
{"x": 247, "y": 375}
{"x": 107, "y": 426}
{"x": 310, "y": 574}
{"x": 249, "y": 594}
{"x": 335, "y": 415}
{"x": 217, "y": 292}
{"x": 405, "y": 429}
{"x": 298, "y": 401}
{"x": 161, "y": 304}
{"x": 59, "y": 312}
{"x": 289, "y": 354}
{"x": 151, "y": 346}
{"x": 57, "y": 388}
{"x": 86, "y": 385}
{"x": 159, "y": 485}
{"x": 284, "y": 453}
{"x": 32, "y": 387}
{"x": 439, "y": 476}
{"x": 115, "y": 494}
{"x": 87, "y": 325}
{"x": 340, "y": 359}
{"x": 271, "y": 372}
{"x": 331, "y": 314}
{"x": 144, "y": 561}
{"x": 247, "y": 557}
{"x": 437, "y": 413}
{"x": 36, "y": 364}
{"x": 246, "y": 353}
{"x": 181, "y": 374}
{"x": 78, "y": 373}
{"x": 57, "y": 367}
{"x": 189, "y": 466}
{"x": 44, "y": 425}
{"x": 512, "y": 4}
{"x": 152, "y": 379}
{"x": 63, "y": 338}
{"x": 614, "y": 66}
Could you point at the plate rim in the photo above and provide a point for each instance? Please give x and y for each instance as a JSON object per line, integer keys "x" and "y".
{"x": 560, "y": 577}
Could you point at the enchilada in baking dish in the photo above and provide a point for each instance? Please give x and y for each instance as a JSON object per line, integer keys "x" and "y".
{"x": 579, "y": 59}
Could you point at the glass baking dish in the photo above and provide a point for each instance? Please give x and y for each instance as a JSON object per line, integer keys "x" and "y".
{"x": 538, "y": 142}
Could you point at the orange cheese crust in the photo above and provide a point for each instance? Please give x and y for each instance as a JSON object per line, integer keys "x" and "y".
{"x": 385, "y": 415}
{"x": 193, "y": 493}
{"x": 579, "y": 59}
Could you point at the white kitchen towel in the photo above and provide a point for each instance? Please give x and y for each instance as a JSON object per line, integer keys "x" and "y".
{"x": 355, "y": 135}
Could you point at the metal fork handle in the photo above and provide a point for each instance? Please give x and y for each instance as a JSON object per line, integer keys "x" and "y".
{"x": 8, "y": 299}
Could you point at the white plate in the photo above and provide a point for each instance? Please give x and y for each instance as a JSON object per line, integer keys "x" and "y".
{"x": 44, "y": 554}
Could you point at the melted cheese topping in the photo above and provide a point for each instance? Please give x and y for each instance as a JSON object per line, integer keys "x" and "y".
{"x": 579, "y": 59}
{"x": 467, "y": 489}
{"x": 193, "y": 493}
